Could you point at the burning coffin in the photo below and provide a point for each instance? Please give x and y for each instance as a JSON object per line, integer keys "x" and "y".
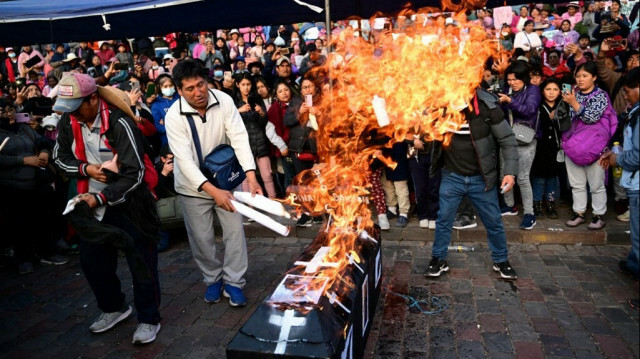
{"x": 311, "y": 315}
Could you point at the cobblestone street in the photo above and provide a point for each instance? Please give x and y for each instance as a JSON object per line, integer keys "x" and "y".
{"x": 569, "y": 301}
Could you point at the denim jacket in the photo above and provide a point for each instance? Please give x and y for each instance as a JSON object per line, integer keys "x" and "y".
{"x": 629, "y": 159}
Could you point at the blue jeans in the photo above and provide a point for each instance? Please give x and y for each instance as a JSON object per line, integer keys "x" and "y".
{"x": 544, "y": 188}
{"x": 452, "y": 188}
{"x": 634, "y": 255}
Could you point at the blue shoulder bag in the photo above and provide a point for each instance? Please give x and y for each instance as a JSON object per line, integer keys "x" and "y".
{"x": 221, "y": 166}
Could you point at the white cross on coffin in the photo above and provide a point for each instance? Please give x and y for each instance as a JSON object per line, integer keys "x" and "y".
{"x": 285, "y": 323}
{"x": 316, "y": 262}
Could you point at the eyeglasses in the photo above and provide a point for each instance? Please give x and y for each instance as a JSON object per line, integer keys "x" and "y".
{"x": 308, "y": 87}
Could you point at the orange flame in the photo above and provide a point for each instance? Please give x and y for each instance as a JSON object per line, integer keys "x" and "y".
{"x": 426, "y": 76}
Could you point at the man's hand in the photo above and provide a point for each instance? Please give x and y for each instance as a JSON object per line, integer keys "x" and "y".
{"x": 254, "y": 186}
{"x": 90, "y": 199}
{"x": 44, "y": 156}
{"x": 418, "y": 144}
{"x": 167, "y": 168}
{"x": 509, "y": 181}
{"x": 94, "y": 172}
{"x": 285, "y": 153}
{"x": 223, "y": 198}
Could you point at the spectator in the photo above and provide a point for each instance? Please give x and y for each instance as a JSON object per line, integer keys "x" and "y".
{"x": 587, "y": 106}
{"x": 234, "y": 34}
{"x": 521, "y": 106}
{"x": 302, "y": 143}
{"x": 201, "y": 46}
{"x": 572, "y": 15}
{"x": 518, "y": 22}
{"x": 565, "y": 36}
{"x": 527, "y": 39}
{"x": 221, "y": 46}
{"x": 546, "y": 166}
{"x": 166, "y": 95}
{"x": 545, "y": 16}
{"x": 28, "y": 53}
{"x": 251, "y": 34}
{"x": 210, "y": 53}
{"x": 556, "y": 67}
{"x": 612, "y": 23}
{"x": 114, "y": 200}
{"x": 284, "y": 73}
{"x": 155, "y": 70}
{"x": 278, "y": 135}
{"x": 589, "y": 19}
{"x": 85, "y": 53}
{"x": 240, "y": 66}
{"x": 506, "y": 37}
{"x": 96, "y": 69}
{"x": 124, "y": 56}
{"x": 313, "y": 59}
{"x": 58, "y": 54}
{"x": 165, "y": 188}
{"x": 9, "y": 67}
{"x": 263, "y": 91}
{"x": 629, "y": 161}
{"x": 256, "y": 52}
{"x": 425, "y": 187}
{"x": 105, "y": 53}
{"x": 196, "y": 192}
{"x": 25, "y": 186}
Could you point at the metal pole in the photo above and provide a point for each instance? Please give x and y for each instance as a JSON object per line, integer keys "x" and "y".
{"x": 327, "y": 19}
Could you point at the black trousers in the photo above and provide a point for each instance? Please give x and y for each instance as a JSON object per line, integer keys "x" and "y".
{"x": 100, "y": 261}
{"x": 426, "y": 189}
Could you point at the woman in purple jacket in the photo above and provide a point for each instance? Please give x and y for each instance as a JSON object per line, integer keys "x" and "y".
{"x": 520, "y": 105}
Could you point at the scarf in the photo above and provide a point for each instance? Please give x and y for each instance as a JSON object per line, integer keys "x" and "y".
{"x": 10, "y": 73}
{"x": 276, "y": 117}
{"x": 81, "y": 154}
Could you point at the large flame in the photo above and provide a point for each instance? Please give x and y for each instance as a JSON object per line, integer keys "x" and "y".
{"x": 425, "y": 75}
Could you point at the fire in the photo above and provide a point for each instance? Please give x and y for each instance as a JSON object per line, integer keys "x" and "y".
{"x": 425, "y": 76}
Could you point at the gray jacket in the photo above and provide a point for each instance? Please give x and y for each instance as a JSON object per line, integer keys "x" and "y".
{"x": 489, "y": 130}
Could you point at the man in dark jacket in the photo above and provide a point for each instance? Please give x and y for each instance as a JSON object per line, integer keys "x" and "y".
{"x": 91, "y": 133}
{"x": 469, "y": 167}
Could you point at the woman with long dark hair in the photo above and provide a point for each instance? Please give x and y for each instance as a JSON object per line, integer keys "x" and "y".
{"x": 546, "y": 168}
{"x": 254, "y": 115}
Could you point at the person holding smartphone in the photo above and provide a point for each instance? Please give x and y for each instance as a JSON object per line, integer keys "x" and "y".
{"x": 166, "y": 95}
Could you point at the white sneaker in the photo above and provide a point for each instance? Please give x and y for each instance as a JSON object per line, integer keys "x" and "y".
{"x": 424, "y": 223}
{"x": 106, "y": 321}
{"x": 432, "y": 224}
{"x": 145, "y": 333}
{"x": 383, "y": 222}
{"x": 624, "y": 217}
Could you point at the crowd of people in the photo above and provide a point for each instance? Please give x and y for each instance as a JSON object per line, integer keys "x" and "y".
{"x": 567, "y": 94}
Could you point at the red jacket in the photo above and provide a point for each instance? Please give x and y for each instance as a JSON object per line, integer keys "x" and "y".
{"x": 559, "y": 72}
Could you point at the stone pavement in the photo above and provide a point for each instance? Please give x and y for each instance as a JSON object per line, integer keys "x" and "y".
{"x": 570, "y": 301}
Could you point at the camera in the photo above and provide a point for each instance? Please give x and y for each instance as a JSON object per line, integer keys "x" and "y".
{"x": 122, "y": 66}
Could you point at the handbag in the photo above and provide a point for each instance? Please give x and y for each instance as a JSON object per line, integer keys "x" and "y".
{"x": 524, "y": 134}
{"x": 221, "y": 167}
{"x": 169, "y": 209}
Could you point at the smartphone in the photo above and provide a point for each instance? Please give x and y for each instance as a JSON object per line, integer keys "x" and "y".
{"x": 227, "y": 75}
{"x": 151, "y": 89}
{"x": 308, "y": 100}
{"x": 22, "y": 117}
{"x": 566, "y": 88}
{"x": 285, "y": 50}
{"x": 134, "y": 85}
{"x": 122, "y": 66}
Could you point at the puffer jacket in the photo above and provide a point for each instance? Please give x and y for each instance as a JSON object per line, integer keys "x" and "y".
{"x": 524, "y": 105}
{"x": 488, "y": 128}
{"x": 298, "y": 134}
{"x": 256, "y": 128}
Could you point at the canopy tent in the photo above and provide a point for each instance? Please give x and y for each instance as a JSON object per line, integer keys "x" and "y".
{"x": 36, "y": 21}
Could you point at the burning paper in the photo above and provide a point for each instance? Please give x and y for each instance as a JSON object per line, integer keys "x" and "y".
{"x": 299, "y": 289}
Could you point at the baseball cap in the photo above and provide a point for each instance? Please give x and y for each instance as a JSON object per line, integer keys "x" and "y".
{"x": 72, "y": 89}
{"x": 281, "y": 60}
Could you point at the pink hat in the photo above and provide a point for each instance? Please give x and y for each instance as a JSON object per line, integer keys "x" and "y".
{"x": 72, "y": 89}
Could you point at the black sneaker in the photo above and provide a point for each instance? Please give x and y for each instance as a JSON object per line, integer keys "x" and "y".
{"x": 304, "y": 221}
{"x": 318, "y": 220}
{"x": 505, "y": 270}
{"x": 464, "y": 222}
{"x": 391, "y": 215}
{"x": 624, "y": 268}
{"x": 436, "y": 267}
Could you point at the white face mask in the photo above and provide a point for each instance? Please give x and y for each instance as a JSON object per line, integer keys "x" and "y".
{"x": 155, "y": 67}
{"x": 12, "y": 55}
{"x": 168, "y": 92}
{"x": 505, "y": 33}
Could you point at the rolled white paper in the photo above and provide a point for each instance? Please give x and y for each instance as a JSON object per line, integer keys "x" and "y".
{"x": 263, "y": 203}
{"x": 4, "y": 143}
{"x": 261, "y": 218}
{"x": 379, "y": 107}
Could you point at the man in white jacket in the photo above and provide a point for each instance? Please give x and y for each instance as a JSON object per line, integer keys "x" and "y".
{"x": 217, "y": 121}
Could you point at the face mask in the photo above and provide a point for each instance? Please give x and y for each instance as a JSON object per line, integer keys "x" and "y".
{"x": 12, "y": 55}
{"x": 505, "y": 33}
{"x": 217, "y": 73}
{"x": 155, "y": 67}
{"x": 168, "y": 92}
